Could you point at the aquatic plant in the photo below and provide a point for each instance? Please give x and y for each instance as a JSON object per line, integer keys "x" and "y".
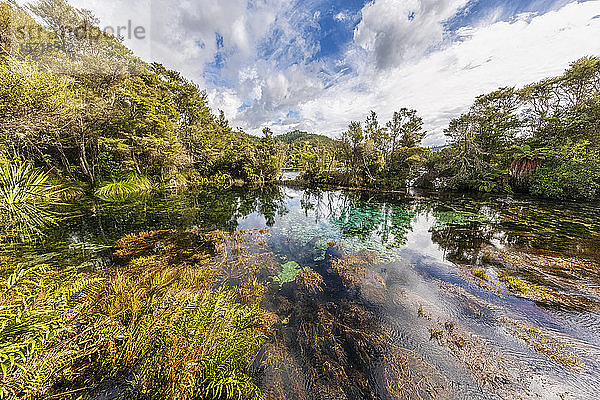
{"x": 288, "y": 272}
{"x": 479, "y": 273}
{"x": 26, "y": 200}
{"x": 362, "y": 220}
{"x": 444, "y": 219}
{"x": 120, "y": 190}
{"x": 436, "y": 332}
{"x": 310, "y": 281}
{"x": 518, "y": 285}
{"x": 544, "y": 343}
{"x": 39, "y": 306}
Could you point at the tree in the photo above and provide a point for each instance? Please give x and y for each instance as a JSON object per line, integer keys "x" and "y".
{"x": 352, "y": 140}
{"x": 406, "y": 129}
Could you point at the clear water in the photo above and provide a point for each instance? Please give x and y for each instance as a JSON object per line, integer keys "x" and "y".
{"x": 417, "y": 322}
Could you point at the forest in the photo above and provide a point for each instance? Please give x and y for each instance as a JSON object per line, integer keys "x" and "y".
{"x": 181, "y": 314}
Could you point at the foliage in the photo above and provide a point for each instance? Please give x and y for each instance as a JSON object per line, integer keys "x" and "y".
{"x": 119, "y": 190}
{"x": 570, "y": 171}
{"x": 314, "y": 155}
{"x": 93, "y": 112}
{"x": 383, "y": 156}
{"x": 154, "y": 327}
{"x": 541, "y": 139}
{"x": 26, "y": 199}
{"x": 39, "y": 306}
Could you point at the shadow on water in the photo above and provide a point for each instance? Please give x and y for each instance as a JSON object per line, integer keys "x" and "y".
{"x": 420, "y": 295}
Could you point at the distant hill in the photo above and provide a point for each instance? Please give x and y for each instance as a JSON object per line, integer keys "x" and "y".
{"x": 439, "y": 147}
{"x": 300, "y": 136}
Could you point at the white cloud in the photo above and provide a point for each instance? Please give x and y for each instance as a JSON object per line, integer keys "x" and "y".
{"x": 183, "y": 35}
{"x": 340, "y": 16}
{"x": 393, "y": 31}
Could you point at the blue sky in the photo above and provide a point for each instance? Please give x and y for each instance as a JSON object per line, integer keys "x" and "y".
{"x": 317, "y": 64}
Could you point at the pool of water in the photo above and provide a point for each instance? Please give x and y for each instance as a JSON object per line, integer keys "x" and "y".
{"x": 424, "y": 295}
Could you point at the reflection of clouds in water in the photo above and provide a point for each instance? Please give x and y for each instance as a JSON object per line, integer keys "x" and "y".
{"x": 419, "y": 238}
{"x": 252, "y": 221}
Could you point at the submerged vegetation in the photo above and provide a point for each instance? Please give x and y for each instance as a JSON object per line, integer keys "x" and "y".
{"x": 323, "y": 308}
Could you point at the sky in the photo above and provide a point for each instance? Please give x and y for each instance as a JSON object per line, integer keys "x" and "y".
{"x": 315, "y": 65}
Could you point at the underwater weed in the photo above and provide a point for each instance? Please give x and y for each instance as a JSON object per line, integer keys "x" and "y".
{"x": 519, "y": 285}
{"x": 436, "y": 333}
{"x": 310, "y": 281}
{"x": 543, "y": 343}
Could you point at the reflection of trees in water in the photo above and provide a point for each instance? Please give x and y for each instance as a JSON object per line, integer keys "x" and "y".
{"x": 270, "y": 203}
{"x": 207, "y": 209}
{"x": 464, "y": 226}
{"x": 462, "y": 230}
{"x": 359, "y": 215}
{"x": 462, "y": 244}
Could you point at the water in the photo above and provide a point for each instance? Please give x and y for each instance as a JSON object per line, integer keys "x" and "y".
{"x": 402, "y": 313}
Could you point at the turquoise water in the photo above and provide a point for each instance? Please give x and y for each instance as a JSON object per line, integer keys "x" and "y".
{"x": 408, "y": 315}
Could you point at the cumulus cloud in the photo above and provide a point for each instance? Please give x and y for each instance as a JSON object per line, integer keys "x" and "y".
{"x": 396, "y": 30}
{"x": 444, "y": 83}
{"x": 183, "y": 35}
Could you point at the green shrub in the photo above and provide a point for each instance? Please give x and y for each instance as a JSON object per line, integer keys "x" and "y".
{"x": 120, "y": 190}
{"x": 573, "y": 171}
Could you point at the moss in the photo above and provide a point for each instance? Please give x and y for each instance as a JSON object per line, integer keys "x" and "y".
{"x": 480, "y": 273}
{"x": 519, "y": 285}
